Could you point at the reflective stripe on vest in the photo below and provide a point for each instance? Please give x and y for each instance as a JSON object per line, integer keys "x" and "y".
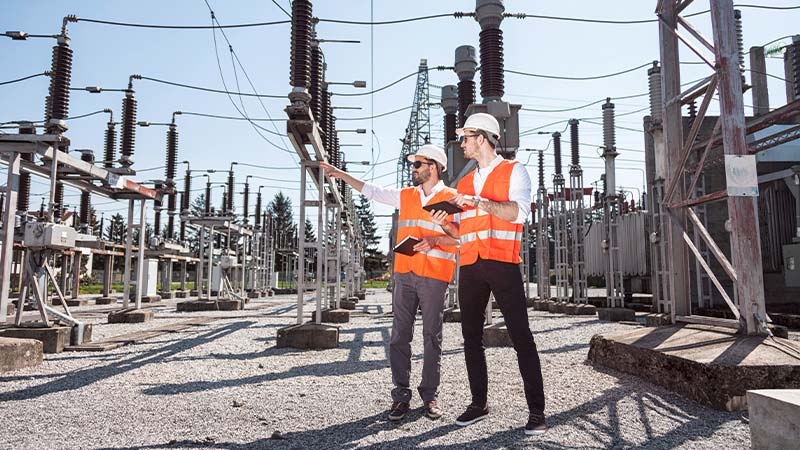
{"x": 438, "y": 263}
{"x": 482, "y": 234}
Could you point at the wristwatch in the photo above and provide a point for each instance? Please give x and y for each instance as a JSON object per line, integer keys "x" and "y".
{"x": 475, "y": 201}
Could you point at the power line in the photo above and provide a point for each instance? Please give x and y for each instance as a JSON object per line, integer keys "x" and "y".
{"x": 597, "y": 77}
{"x": 218, "y": 91}
{"x": 182, "y": 27}
{"x": 2, "y": 83}
{"x": 281, "y": 8}
{"x": 389, "y": 22}
{"x": 217, "y": 116}
{"x": 375, "y": 116}
{"x": 376, "y": 90}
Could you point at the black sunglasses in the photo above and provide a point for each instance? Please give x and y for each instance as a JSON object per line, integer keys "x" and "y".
{"x": 418, "y": 164}
{"x": 464, "y": 137}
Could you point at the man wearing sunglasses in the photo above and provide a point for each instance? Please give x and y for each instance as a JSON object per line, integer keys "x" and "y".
{"x": 421, "y": 279}
{"x": 496, "y": 196}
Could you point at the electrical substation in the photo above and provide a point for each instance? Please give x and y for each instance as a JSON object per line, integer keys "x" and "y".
{"x": 690, "y": 285}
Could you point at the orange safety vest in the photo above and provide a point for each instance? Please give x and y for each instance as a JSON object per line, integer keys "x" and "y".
{"x": 438, "y": 263}
{"x": 482, "y": 234}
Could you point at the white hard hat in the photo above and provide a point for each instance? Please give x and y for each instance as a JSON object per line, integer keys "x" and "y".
{"x": 431, "y": 152}
{"x": 481, "y": 121}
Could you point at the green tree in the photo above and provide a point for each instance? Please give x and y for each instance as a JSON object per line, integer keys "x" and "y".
{"x": 375, "y": 262}
{"x": 116, "y": 229}
{"x": 284, "y": 230}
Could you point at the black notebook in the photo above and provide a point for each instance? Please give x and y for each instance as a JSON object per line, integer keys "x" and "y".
{"x": 448, "y": 207}
{"x": 406, "y": 246}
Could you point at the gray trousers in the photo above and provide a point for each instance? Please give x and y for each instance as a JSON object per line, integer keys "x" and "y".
{"x": 411, "y": 292}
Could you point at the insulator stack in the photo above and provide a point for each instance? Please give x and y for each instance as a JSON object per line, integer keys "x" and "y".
{"x": 465, "y": 66}
{"x": 224, "y": 204}
{"x": 128, "y": 128}
{"x": 171, "y": 168}
{"x": 325, "y": 116}
{"x": 489, "y": 14}
{"x": 228, "y": 204}
{"x": 24, "y": 195}
{"x": 450, "y": 107}
{"x": 794, "y": 51}
{"x": 187, "y": 192}
{"x": 557, "y": 151}
{"x": 333, "y": 154}
{"x": 692, "y": 112}
{"x": 656, "y": 104}
{"x": 157, "y": 208}
{"x": 491, "y": 41}
{"x": 171, "y": 216}
{"x": 541, "y": 169}
{"x": 301, "y": 44}
{"x": 183, "y": 222}
{"x": 315, "y": 83}
{"x": 86, "y": 197}
{"x": 58, "y": 200}
{"x": 573, "y": 141}
{"x": 109, "y": 145}
{"x": 246, "y": 202}
{"x": 58, "y": 108}
{"x": 466, "y": 97}
{"x": 609, "y": 134}
{"x": 208, "y": 199}
{"x": 258, "y": 210}
{"x": 605, "y": 184}
{"x": 737, "y": 23}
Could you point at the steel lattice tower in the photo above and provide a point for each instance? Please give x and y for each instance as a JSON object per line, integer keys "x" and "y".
{"x": 419, "y": 125}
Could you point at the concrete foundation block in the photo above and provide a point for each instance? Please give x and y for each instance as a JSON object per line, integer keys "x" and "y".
{"x": 148, "y": 298}
{"x": 616, "y": 314}
{"x": 332, "y": 316}
{"x": 201, "y": 304}
{"x": 530, "y": 302}
{"x": 253, "y": 294}
{"x": 541, "y": 305}
{"x": 571, "y": 309}
{"x": 130, "y": 316}
{"x": 496, "y": 335}
{"x": 77, "y": 302}
{"x": 557, "y": 307}
{"x": 347, "y": 304}
{"x": 586, "y": 310}
{"x": 361, "y": 295}
{"x": 53, "y": 339}
{"x": 714, "y": 366}
{"x": 167, "y": 295}
{"x": 18, "y": 354}
{"x": 308, "y": 336}
{"x": 230, "y": 305}
{"x": 657, "y": 319}
{"x": 11, "y": 310}
{"x": 105, "y": 300}
{"x": 354, "y": 299}
{"x": 86, "y": 336}
{"x": 774, "y": 414}
{"x": 193, "y": 293}
{"x": 778, "y": 330}
{"x": 181, "y": 294}
{"x": 452, "y": 315}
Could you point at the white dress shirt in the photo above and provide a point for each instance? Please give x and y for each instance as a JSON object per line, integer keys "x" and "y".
{"x": 519, "y": 190}
{"x": 391, "y": 196}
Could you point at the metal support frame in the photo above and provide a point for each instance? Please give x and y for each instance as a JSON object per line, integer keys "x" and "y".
{"x": 317, "y": 245}
{"x": 742, "y": 210}
{"x": 561, "y": 237}
{"x": 580, "y": 293}
{"x": 542, "y": 245}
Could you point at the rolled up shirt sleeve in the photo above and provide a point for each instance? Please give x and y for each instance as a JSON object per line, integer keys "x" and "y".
{"x": 520, "y": 192}
{"x": 389, "y": 196}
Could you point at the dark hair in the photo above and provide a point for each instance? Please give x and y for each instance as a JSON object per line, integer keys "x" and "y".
{"x": 490, "y": 139}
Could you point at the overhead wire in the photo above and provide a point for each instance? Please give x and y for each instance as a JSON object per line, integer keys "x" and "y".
{"x": 3, "y": 83}
{"x": 356, "y": 94}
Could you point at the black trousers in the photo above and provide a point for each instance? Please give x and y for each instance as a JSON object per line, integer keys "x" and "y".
{"x": 504, "y": 280}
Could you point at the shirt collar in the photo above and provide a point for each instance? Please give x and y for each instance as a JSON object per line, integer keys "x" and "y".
{"x": 436, "y": 188}
{"x": 495, "y": 162}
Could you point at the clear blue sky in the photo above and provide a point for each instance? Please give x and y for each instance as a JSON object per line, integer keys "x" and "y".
{"x": 106, "y": 55}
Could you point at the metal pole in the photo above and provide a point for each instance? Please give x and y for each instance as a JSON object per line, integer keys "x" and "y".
{"x": 742, "y": 210}
{"x": 126, "y": 279}
{"x": 10, "y": 207}
{"x": 140, "y": 261}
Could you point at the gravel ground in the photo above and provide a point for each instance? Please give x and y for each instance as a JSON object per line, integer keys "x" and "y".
{"x": 224, "y": 385}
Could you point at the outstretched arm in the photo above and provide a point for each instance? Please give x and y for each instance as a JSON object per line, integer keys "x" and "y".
{"x": 333, "y": 172}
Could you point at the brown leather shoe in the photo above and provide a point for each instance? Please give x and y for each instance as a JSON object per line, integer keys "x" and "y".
{"x": 432, "y": 410}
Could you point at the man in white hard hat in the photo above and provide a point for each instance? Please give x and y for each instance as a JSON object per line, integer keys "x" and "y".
{"x": 496, "y": 196}
{"x": 420, "y": 279}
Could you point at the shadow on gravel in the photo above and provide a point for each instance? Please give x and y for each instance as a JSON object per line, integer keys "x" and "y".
{"x": 80, "y": 378}
{"x": 351, "y": 365}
